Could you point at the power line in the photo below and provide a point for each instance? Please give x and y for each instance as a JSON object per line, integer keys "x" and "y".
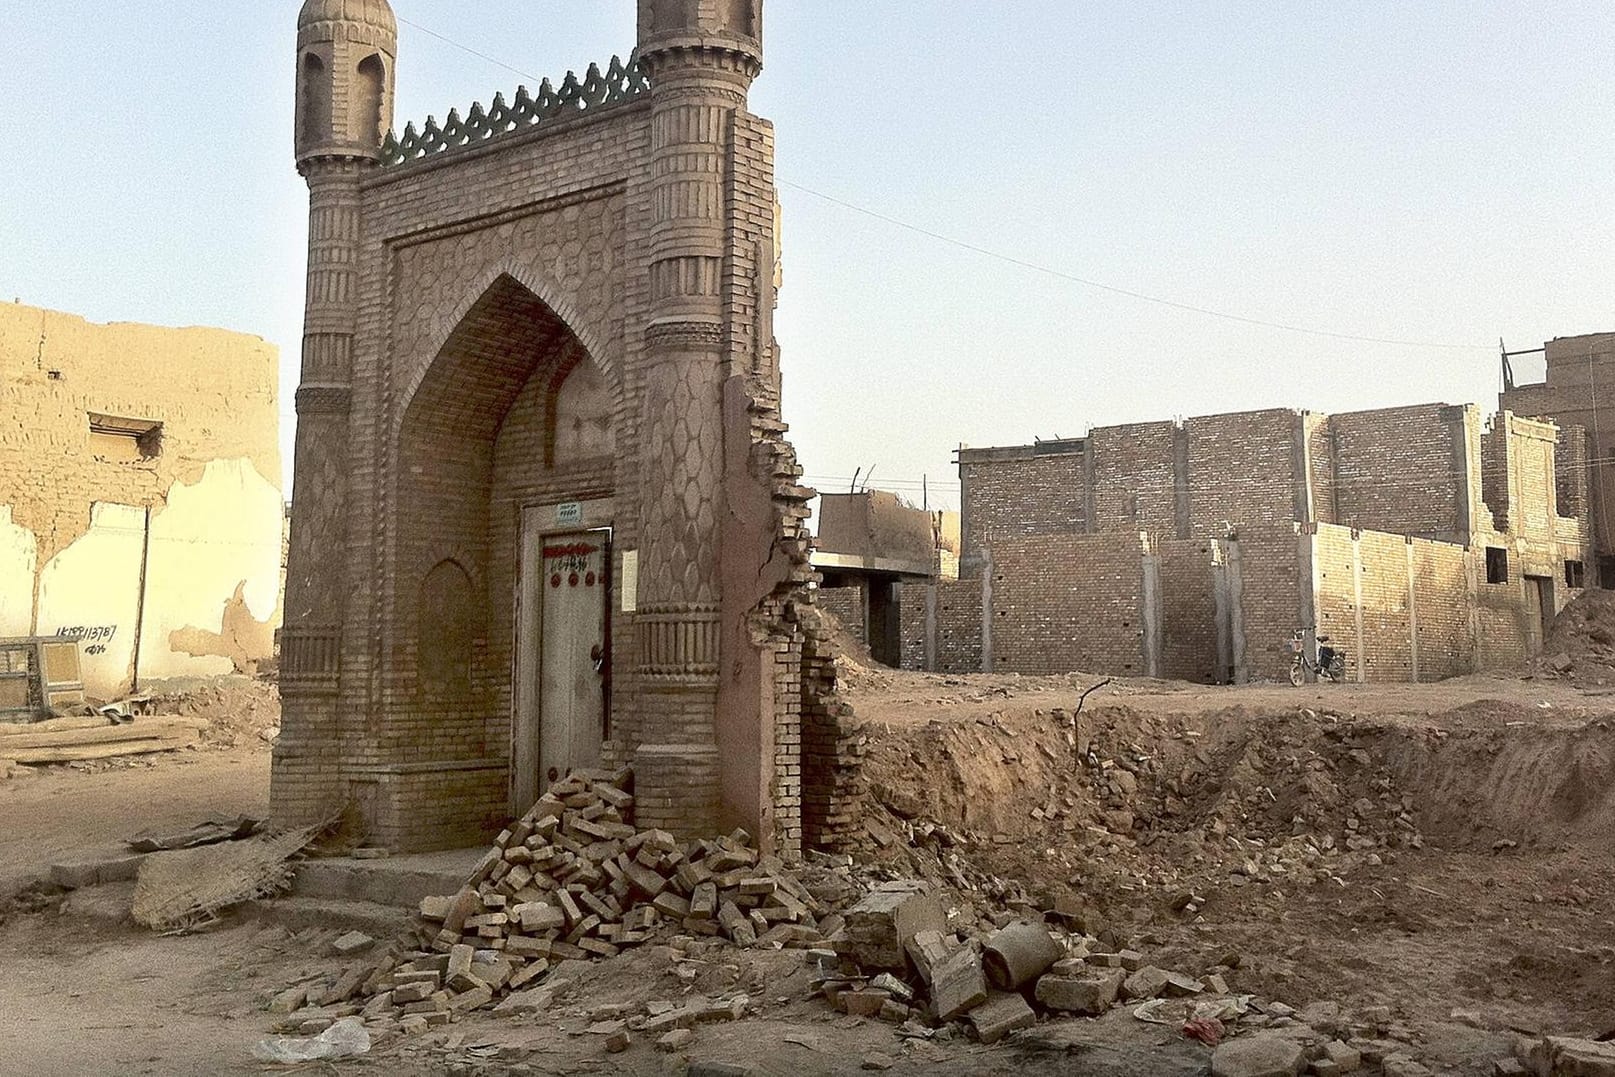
{"x": 1128, "y": 292}
{"x": 469, "y": 49}
{"x": 1025, "y": 263}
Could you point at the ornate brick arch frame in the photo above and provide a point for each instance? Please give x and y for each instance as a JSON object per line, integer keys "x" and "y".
{"x": 547, "y": 292}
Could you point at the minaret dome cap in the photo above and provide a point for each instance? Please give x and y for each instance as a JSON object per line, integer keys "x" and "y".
{"x": 373, "y": 13}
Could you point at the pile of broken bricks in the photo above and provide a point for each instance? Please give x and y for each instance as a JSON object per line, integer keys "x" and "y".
{"x": 895, "y": 959}
{"x": 572, "y": 880}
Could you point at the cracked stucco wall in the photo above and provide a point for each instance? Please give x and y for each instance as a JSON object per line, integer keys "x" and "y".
{"x": 74, "y": 508}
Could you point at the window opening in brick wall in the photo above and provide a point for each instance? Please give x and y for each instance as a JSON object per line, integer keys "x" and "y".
{"x": 1575, "y": 574}
{"x": 1496, "y": 564}
{"x": 115, "y": 437}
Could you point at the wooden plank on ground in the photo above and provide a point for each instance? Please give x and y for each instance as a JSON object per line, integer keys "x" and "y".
{"x": 112, "y": 734}
{"x": 53, "y": 725}
{"x": 81, "y": 753}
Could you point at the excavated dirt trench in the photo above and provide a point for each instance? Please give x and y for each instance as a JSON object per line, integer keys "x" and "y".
{"x": 1443, "y": 850}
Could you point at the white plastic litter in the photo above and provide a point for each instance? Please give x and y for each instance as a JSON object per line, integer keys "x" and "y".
{"x": 346, "y": 1038}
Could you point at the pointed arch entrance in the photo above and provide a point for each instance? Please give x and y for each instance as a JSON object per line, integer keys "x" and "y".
{"x": 506, "y": 473}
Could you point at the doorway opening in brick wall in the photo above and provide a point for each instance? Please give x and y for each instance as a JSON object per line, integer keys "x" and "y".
{"x": 507, "y": 464}
{"x": 563, "y": 666}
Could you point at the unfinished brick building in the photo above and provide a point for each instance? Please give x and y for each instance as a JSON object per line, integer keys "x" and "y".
{"x": 1423, "y": 540}
{"x": 546, "y": 516}
{"x": 1577, "y": 390}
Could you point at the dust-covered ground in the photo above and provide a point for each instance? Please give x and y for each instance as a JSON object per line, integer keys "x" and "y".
{"x": 1426, "y": 869}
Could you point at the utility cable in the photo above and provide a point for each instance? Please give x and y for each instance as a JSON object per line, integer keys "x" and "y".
{"x": 1128, "y": 292}
{"x": 1024, "y": 263}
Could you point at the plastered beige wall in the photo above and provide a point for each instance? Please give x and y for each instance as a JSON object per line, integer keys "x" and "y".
{"x": 73, "y": 520}
{"x": 19, "y": 553}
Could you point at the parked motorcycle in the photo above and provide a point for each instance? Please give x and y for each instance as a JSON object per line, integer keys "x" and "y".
{"x": 1327, "y": 663}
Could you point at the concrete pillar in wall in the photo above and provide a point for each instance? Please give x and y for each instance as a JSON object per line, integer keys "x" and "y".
{"x": 1357, "y": 604}
{"x": 1238, "y": 645}
{"x": 987, "y": 609}
{"x": 1413, "y": 613}
{"x": 1465, "y": 465}
{"x": 1150, "y": 612}
{"x": 1301, "y": 468}
{"x": 1222, "y": 614}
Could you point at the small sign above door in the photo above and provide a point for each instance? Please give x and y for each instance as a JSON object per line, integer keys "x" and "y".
{"x": 569, "y": 514}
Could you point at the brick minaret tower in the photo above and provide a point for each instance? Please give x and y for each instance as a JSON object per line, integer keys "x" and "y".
{"x": 345, "y": 55}
{"x": 701, "y": 56}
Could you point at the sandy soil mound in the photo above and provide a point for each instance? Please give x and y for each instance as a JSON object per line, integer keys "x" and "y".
{"x": 1581, "y": 645}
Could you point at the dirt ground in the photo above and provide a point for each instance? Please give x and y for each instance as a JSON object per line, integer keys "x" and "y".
{"x": 1432, "y": 865}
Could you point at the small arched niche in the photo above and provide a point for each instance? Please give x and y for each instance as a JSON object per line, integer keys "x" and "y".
{"x": 580, "y": 416}
{"x": 446, "y": 641}
{"x": 314, "y": 100}
{"x": 369, "y": 90}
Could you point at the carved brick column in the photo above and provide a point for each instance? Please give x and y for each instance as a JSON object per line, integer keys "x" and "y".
{"x": 697, "y": 83}
{"x": 315, "y": 574}
{"x": 307, "y": 763}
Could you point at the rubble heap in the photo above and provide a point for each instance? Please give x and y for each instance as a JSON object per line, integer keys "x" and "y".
{"x": 573, "y": 879}
{"x": 1580, "y": 647}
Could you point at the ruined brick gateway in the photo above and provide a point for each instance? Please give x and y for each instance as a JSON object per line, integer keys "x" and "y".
{"x": 545, "y": 515}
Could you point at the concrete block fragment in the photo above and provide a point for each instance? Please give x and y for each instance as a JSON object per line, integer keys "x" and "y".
{"x": 1000, "y": 1015}
{"x": 1570, "y": 1057}
{"x": 1147, "y": 983}
{"x": 466, "y": 1001}
{"x": 1257, "y": 1056}
{"x": 1090, "y": 994}
{"x": 290, "y": 1000}
{"x": 676, "y": 1040}
{"x": 404, "y": 994}
{"x": 878, "y": 927}
{"x": 460, "y": 958}
{"x": 865, "y": 1003}
{"x": 1018, "y": 954}
{"x": 927, "y": 949}
{"x": 350, "y": 943}
{"x": 1346, "y": 1058}
{"x": 958, "y": 984}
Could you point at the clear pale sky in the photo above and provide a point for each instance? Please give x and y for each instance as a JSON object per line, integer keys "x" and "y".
{"x": 1434, "y": 172}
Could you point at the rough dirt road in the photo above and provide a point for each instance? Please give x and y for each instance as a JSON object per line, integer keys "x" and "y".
{"x": 1431, "y": 864}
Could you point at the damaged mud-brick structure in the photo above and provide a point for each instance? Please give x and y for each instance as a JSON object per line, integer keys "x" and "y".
{"x": 1578, "y": 390}
{"x": 866, "y": 546}
{"x": 546, "y": 516}
{"x": 140, "y": 504}
{"x": 1423, "y": 540}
